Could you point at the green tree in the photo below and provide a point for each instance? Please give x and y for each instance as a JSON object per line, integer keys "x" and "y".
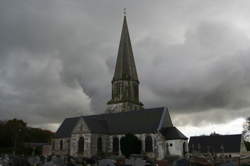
{"x": 246, "y": 130}
{"x": 130, "y": 144}
{"x": 246, "y": 133}
{"x": 247, "y": 145}
{"x": 12, "y": 130}
{"x": 14, "y": 133}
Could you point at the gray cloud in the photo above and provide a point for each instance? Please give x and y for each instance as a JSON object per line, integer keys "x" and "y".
{"x": 57, "y": 58}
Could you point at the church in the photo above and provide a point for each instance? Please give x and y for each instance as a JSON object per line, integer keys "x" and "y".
{"x": 88, "y": 136}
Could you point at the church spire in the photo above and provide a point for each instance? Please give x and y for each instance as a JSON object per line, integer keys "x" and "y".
{"x": 125, "y": 64}
{"x": 125, "y": 83}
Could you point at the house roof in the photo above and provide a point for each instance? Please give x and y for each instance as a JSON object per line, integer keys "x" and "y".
{"x": 230, "y": 143}
{"x": 171, "y": 133}
{"x": 136, "y": 122}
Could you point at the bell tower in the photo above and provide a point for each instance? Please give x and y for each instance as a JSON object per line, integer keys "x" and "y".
{"x": 125, "y": 83}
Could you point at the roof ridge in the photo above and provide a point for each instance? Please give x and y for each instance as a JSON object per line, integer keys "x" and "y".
{"x": 219, "y": 135}
{"x": 93, "y": 115}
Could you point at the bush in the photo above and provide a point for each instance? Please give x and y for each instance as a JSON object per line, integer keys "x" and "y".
{"x": 130, "y": 144}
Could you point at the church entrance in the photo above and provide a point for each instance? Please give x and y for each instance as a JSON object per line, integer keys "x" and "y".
{"x": 99, "y": 145}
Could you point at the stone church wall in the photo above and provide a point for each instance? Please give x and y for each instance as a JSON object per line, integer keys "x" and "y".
{"x": 175, "y": 147}
{"x": 60, "y": 146}
{"x": 64, "y": 146}
{"x": 105, "y": 143}
{"x": 81, "y": 130}
{"x": 87, "y": 144}
{"x": 160, "y": 146}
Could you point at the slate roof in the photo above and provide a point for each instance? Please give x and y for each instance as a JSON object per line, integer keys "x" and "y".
{"x": 171, "y": 133}
{"x": 66, "y": 127}
{"x": 125, "y": 64}
{"x": 231, "y": 143}
{"x": 136, "y": 122}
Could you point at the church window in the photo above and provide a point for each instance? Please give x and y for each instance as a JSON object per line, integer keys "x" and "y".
{"x": 125, "y": 91}
{"x": 184, "y": 148}
{"x": 99, "y": 145}
{"x": 115, "y": 145}
{"x": 167, "y": 150}
{"x": 61, "y": 144}
{"x": 81, "y": 145}
{"x": 136, "y": 91}
{"x": 117, "y": 90}
{"x": 120, "y": 90}
{"x": 148, "y": 144}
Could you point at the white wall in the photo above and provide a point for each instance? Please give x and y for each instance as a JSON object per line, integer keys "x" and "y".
{"x": 176, "y": 146}
{"x": 80, "y": 130}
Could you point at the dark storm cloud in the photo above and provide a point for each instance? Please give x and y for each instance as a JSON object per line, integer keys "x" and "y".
{"x": 206, "y": 71}
{"x": 57, "y": 57}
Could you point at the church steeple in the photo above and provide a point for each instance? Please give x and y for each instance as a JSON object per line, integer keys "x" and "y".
{"x": 125, "y": 64}
{"x": 125, "y": 83}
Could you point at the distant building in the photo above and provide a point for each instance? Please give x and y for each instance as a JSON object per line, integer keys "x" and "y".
{"x": 88, "y": 136}
{"x": 228, "y": 145}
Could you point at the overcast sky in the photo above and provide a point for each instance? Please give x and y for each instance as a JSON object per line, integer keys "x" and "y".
{"x": 57, "y": 59}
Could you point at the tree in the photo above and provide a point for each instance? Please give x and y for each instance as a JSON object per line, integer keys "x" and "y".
{"x": 14, "y": 133}
{"x": 246, "y": 130}
{"x": 246, "y": 133}
{"x": 247, "y": 145}
{"x": 130, "y": 144}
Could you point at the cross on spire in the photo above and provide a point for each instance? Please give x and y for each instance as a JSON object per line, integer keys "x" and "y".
{"x": 124, "y": 11}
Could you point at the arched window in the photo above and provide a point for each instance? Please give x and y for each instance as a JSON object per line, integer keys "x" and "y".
{"x": 81, "y": 145}
{"x": 136, "y": 91}
{"x": 167, "y": 149}
{"x": 115, "y": 145}
{"x": 99, "y": 145}
{"x": 61, "y": 144}
{"x": 148, "y": 144}
{"x": 184, "y": 148}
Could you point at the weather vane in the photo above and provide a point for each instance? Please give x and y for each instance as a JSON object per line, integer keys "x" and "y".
{"x": 124, "y": 11}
